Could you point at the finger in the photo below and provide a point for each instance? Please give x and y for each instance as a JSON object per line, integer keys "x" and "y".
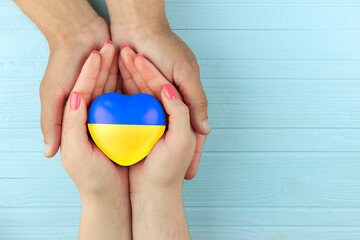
{"x": 74, "y": 132}
{"x": 187, "y": 78}
{"x": 153, "y": 77}
{"x": 52, "y": 105}
{"x": 128, "y": 56}
{"x": 128, "y": 83}
{"x": 111, "y": 83}
{"x": 107, "y": 57}
{"x": 119, "y": 85}
{"x": 192, "y": 169}
{"x": 88, "y": 76}
{"x": 180, "y": 133}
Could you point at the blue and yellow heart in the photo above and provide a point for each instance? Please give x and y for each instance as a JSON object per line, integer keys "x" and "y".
{"x": 125, "y": 128}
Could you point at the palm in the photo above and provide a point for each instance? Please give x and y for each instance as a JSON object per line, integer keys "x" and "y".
{"x": 151, "y": 168}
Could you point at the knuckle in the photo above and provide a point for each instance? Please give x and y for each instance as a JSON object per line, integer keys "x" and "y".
{"x": 42, "y": 89}
{"x": 191, "y": 67}
{"x": 203, "y": 103}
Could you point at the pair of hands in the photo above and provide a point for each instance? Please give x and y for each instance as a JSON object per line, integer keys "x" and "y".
{"x": 155, "y": 184}
{"x": 157, "y": 42}
{"x": 73, "y": 29}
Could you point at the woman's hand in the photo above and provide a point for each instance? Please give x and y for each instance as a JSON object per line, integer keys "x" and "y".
{"x": 73, "y": 29}
{"x": 156, "y": 182}
{"x": 102, "y": 184}
{"x": 144, "y": 26}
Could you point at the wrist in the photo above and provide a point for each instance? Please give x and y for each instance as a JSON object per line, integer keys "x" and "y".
{"x": 64, "y": 19}
{"x": 159, "y": 213}
{"x": 61, "y": 31}
{"x": 135, "y": 15}
{"x": 105, "y": 217}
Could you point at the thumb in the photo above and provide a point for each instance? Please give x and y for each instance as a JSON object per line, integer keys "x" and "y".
{"x": 180, "y": 134}
{"x": 74, "y": 130}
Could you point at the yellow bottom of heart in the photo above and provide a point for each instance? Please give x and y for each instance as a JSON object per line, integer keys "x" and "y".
{"x": 125, "y": 144}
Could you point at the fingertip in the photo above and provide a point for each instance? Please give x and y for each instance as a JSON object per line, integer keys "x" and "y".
{"x": 123, "y": 46}
{"x": 169, "y": 92}
{"x": 94, "y": 60}
{"x": 95, "y": 52}
{"x": 47, "y": 150}
{"x": 106, "y": 43}
{"x": 50, "y": 149}
{"x": 205, "y": 126}
{"x": 200, "y": 121}
{"x": 190, "y": 174}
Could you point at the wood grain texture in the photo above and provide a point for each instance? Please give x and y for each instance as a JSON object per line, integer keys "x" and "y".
{"x": 283, "y": 160}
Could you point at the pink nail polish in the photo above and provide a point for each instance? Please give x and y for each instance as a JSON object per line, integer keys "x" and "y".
{"x": 74, "y": 101}
{"x": 124, "y": 45}
{"x": 95, "y": 51}
{"x": 138, "y": 55}
{"x": 107, "y": 42}
{"x": 169, "y": 91}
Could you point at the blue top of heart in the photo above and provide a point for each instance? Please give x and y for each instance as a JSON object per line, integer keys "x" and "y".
{"x": 116, "y": 108}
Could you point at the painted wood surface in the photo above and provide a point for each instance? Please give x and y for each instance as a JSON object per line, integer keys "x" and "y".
{"x": 283, "y": 161}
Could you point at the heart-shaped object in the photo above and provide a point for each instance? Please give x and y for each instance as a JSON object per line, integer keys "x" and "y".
{"x": 124, "y": 127}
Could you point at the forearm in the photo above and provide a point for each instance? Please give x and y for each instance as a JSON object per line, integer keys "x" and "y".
{"x": 138, "y": 13}
{"x": 159, "y": 215}
{"x": 105, "y": 218}
{"x": 58, "y": 18}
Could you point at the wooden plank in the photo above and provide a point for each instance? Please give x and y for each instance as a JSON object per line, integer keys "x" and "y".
{"x": 13, "y": 68}
{"x": 283, "y": 140}
{"x": 228, "y": 165}
{"x": 217, "y": 15}
{"x": 202, "y": 232}
{"x": 237, "y": 44}
{"x": 197, "y": 216}
{"x": 274, "y": 233}
{"x": 39, "y": 232}
{"x": 232, "y": 140}
{"x": 276, "y": 69}
{"x": 233, "y": 103}
{"x": 217, "y": 191}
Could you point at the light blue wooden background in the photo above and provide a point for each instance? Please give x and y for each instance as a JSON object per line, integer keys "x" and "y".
{"x": 283, "y": 160}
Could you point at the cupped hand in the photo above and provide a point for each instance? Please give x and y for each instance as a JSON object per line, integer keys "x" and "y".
{"x": 67, "y": 56}
{"x": 178, "y": 65}
{"x": 156, "y": 182}
{"x": 92, "y": 172}
{"x": 169, "y": 159}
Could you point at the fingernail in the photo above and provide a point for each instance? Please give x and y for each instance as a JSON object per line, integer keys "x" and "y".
{"x": 169, "y": 91}
{"x": 74, "y": 101}
{"x": 95, "y": 51}
{"x": 107, "y": 42}
{"x": 138, "y": 55}
{"x": 124, "y": 45}
{"x": 47, "y": 150}
{"x": 205, "y": 125}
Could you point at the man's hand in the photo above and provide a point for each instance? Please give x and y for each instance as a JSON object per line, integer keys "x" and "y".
{"x": 143, "y": 26}
{"x": 73, "y": 29}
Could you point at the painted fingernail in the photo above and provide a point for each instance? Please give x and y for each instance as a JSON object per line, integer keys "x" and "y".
{"x": 107, "y": 42}
{"x": 74, "y": 101}
{"x": 47, "y": 150}
{"x": 205, "y": 125}
{"x": 138, "y": 55}
{"x": 169, "y": 91}
{"x": 95, "y": 51}
{"x": 124, "y": 45}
